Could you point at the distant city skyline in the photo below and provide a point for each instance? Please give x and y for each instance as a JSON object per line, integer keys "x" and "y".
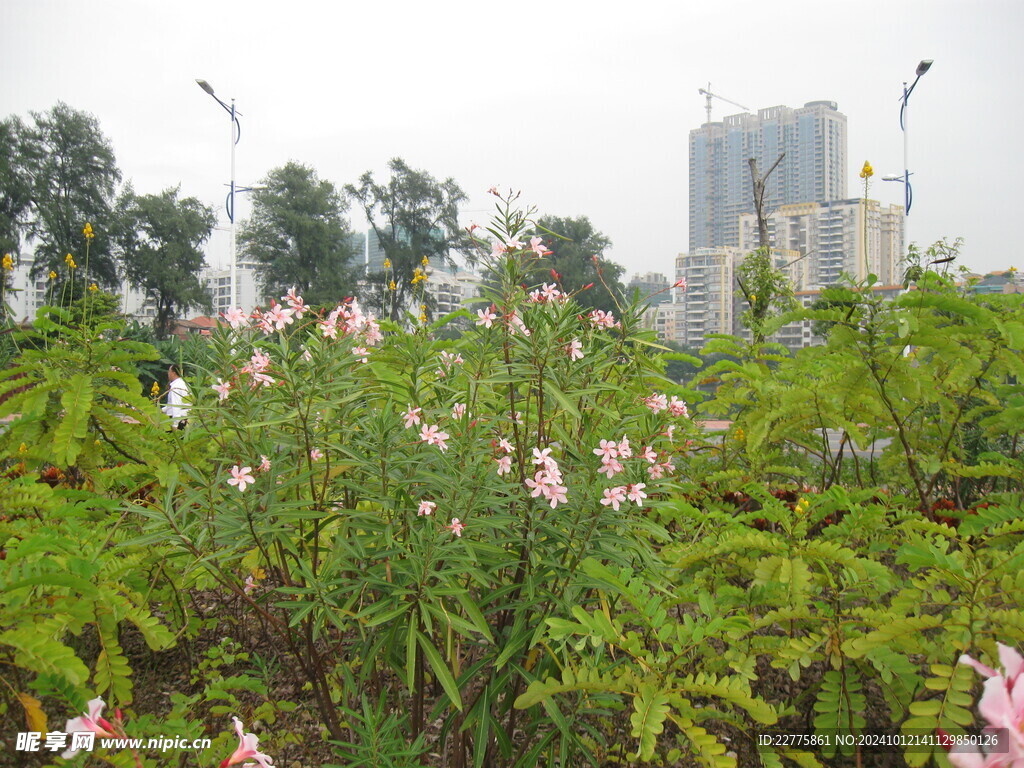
{"x": 586, "y": 110}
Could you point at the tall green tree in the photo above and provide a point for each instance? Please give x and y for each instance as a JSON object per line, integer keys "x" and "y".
{"x": 299, "y": 236}
{"x": 160, "y": 238}
{"x": 15, "y": 187}
{"x": 415, "y": 217}
{"x": 577, "y": 255}
{"x": 73, "y": 177}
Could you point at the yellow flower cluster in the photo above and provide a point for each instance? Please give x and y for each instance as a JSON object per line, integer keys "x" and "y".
{"x": 392, "y": 286}
{"x": 70, "y": 261}
{"x": 154, "y": 391}
{"x": 53, "y": 275}
{"x": 8, "y": 262}
{"x": 87, "y": 231}
{"x": 867, "y": 171}
{"x": 418, "y": 276}
{"x": 801, "y": 506}
{"x": 425, "y": 261}
{"x": 94, "y": 287}
{"x": 387, "y": 263}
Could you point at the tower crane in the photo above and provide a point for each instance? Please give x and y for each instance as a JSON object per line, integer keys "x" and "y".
{"x": 709, "y": 95}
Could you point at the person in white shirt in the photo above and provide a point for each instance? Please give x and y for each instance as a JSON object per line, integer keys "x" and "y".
{"x": 177, "y": 397}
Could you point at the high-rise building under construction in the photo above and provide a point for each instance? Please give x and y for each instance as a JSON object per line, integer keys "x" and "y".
{"x": 813, "y": 170}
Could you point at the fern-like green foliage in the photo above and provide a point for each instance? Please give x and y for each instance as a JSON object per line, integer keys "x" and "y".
{"x": 59, "y": 581}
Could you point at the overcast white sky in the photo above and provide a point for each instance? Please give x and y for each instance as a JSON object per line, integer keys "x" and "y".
{"x": 584, "y": 106}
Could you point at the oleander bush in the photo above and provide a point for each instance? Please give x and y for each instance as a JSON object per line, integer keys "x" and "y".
{"x": 500, "y": 538}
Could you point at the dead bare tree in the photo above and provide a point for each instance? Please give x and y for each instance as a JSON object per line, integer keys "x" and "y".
{"x": 759, "y": 187}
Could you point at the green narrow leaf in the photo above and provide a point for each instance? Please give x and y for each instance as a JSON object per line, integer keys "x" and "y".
{"x": 441, "y": 670}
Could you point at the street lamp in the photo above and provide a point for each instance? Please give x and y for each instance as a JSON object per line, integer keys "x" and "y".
{"x": 908, "y": 191}
{"x": 236, "y": 134}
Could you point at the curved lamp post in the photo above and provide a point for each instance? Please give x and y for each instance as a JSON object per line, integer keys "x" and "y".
{"x": 236, "y": 134}
{"x": 908, "y": 191}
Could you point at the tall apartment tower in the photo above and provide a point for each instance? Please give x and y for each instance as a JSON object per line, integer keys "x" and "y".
{"x": 813, "y": 170}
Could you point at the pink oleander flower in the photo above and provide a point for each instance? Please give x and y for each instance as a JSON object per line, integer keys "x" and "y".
{"x": 518, "y": 418}
{"x": 432, "y": 435}
{"x": 625, "y": 452}
{"x": 505, "y": 445}
{"x": 677, "y": 407}
{"x": 601, "y": 319}
{"x": 456, "y": 527}
{"x": 493, "y": 191}
{"x": 513, "y": 244}
{"x": 609, "y": 449}
{"x": 574, "y": 349}
{"x": 412, "y": 416}
{"x": 278, "y": 316}
{"x": 550, "y": 291}
{"x": 241, "y": 477}
{"x": 247, "y": 750}
{"x": 670, "y": 430}
{"x": 555, "y": 494}
{"x": 544, "y": 458}
{"x": 649, "y": 454}
{"x": 1002, "y": 705}
{"x": 486, "y": 317}
{"x": 360, "y": 352}
{"x": 542, "y": 481}
{"x": 236, "y": 317}
{"x": 504, "y": 464}
{"x": 249, "y": 585}
{"x": 656, "y": 402}
{"x": 222, "y": 388}
{"x": 262, "y": 379}
{"x": 517, "y": 323}
{"x": 329, "y": 326}
{"x": 610, "y": 466}
{"x": 91, "y": 721}
{"x": 258, "y": 363}
{"x": 537, "y": 246}
{"x": 306, "y": 355}
{"x": 535, "y": 296}
{"x": 296, "y": 304}
{"x": 426, "y": 508}
{"x": 497, "y": 249}
{"x": 264, "y": 464}
{"x": 614, "y": 496}
{"x": 372, "y": 331}
{"x": 635, "y": 493}
{"x": 263, "y": 322}
{"x": 458, "y": 410}
{"x": 316, "y": 454}
{"x": 680, "y": 283}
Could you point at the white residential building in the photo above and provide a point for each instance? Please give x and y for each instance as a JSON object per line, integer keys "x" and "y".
{"x": 853, "y": 237}
{"x": 247, "y": 293}
{"x": 450, "y": 287}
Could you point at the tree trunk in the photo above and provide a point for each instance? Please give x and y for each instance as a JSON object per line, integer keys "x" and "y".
{"x": 759, "y": 187}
